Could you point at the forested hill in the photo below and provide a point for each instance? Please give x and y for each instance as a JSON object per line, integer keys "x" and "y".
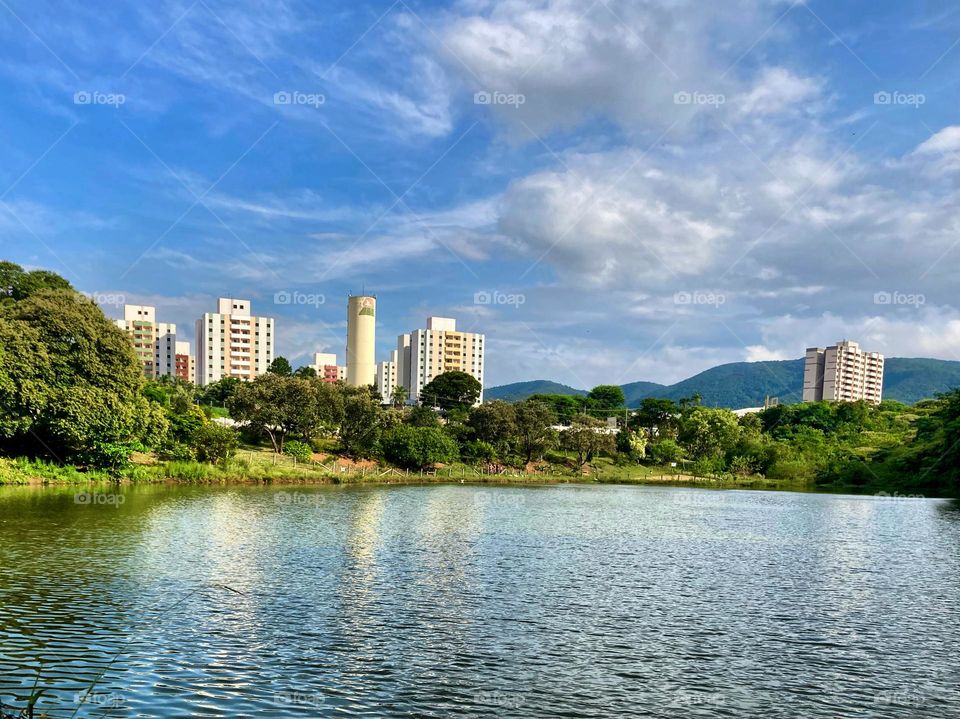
{"x": 745, "y": 384}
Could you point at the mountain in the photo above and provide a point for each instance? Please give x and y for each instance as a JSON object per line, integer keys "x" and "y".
{"x": 521, "y": 390}
{"x": 745, "y": 384}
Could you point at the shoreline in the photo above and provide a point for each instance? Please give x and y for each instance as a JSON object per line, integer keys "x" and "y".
{"x": 677, "y": 481}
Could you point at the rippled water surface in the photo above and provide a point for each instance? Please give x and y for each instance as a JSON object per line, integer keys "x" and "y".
{"x": 443, "y": 601}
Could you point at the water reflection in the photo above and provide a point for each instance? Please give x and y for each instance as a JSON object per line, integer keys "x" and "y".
{"x": 479, "y": 601}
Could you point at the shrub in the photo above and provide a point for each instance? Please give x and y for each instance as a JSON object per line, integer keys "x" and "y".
{"x": 177, "y": 452}
{"x": 214, "y": 443}
{"x": 299, "y": 450}
{"x": 416, "y": 447}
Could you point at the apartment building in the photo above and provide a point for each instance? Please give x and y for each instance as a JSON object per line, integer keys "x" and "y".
{"x": 232, "y": 342}
{"x": 842, "y": 373}
{"x": 326, "y": 367}
{"x": 387, "y": 377}
{"x": 154, "y": 342}
{"x": 425, "y": 353}
{"x": 185, "y": 364}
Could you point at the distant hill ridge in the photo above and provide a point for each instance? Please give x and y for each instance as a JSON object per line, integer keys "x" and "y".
{"x": 745, "y": 384}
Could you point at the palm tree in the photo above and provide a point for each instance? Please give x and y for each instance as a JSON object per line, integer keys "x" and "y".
{"x": 399, "y": 396}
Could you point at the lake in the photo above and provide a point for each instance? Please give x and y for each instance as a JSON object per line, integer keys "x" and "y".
{"x": 473, "y": 601}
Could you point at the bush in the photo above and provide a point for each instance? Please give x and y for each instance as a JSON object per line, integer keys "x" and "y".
{"x": 298, "y": 450}
{"x": 214, "y": 443}
{"x": 417, "y": 447}
{"x": 177, "y": 452}
{"x": 478, "y": 451}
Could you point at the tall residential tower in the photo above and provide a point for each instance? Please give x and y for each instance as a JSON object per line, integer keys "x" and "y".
{"x": 842, "y": 373}
{"x": 423, "y": 354}
{"x": 154, "y": 342}
{"x": 233, "y": 343}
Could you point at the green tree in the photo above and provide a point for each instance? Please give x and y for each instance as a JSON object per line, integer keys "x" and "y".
{"x": 219, "y": 392}
{"x": 586, "y": 438}
{"x": 17, "y": 284}
{"x": 494, "y": 423}
{"x": 280, "y": 366}
{"x": 665, "y": 451}
{"x": 708, "y": 433}
{"x": 276, "y": 405}
{"x": 659, "y": 417}
{"x": 422, "y": 416}
{"x": 361, "y": 424}
{"x": 417, "y": 447}
{"x": 305, "y": 372}
{"x": 299, "y": 450}
{"x": 535, "y": 434}
{"x": 71, "y": 386}
{"x": 450, "y": 390}
{"x": 607, "y": 396}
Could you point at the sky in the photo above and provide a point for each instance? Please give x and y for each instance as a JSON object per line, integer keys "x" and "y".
{"x": 611, "y": 191}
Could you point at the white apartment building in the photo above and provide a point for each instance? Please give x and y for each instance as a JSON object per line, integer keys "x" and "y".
{"x": 387, "y": 377}
{"x": 326, "y": 367}
{"x": 154, "y": 342}
{"x": 233, "y": 343}
{"x": 423, "y": 354}
{"x": 842, "y": 373}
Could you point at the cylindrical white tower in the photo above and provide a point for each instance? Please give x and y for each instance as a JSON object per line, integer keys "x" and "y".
{"x": 361, "y": 340}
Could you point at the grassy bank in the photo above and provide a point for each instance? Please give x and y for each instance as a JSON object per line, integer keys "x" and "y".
{"x": 257, "y": 466}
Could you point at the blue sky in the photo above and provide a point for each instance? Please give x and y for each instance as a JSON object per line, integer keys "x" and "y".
{"x": 654, "y": 187}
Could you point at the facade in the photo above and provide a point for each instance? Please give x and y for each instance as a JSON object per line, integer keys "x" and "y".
{"x": 842, "y": 373}
{"x": 326, "y": 367}
{"x": 387, "y": 378}
{"x": 185, "y": 364}
{"x": 361, "y": 340}
{"x": 233, "y": 343}
{"x": 425, "y": 353}
{"x": 154, "y": 342}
